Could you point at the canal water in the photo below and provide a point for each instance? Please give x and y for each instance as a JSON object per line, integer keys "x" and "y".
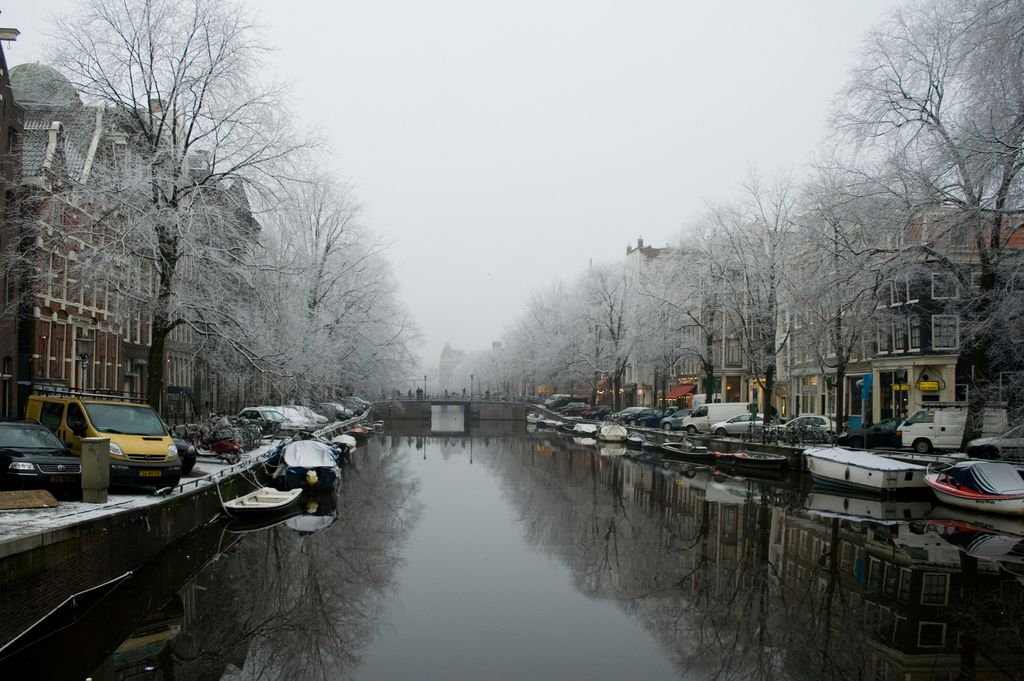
{"x": 533, "y": 556}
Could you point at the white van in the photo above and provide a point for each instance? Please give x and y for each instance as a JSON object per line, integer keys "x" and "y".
{"x": 701, "y": 418}
{"x": 940, "y": 425}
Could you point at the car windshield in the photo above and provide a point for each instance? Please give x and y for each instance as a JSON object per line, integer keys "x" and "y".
{"x": 272, "y": 415}
{"x": 921, "y": 417}
{"x": 26, "y": 436}
{"x": 124, "y": 419}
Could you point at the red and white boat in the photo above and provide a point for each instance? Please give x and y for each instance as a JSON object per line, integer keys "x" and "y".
{"x": 988, "y": 486}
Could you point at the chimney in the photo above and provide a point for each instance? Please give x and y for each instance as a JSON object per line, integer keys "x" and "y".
{"x": 639, "y": 242}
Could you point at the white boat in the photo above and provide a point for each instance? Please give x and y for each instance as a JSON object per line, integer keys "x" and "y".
{"x": 834, "y": 466}
{"x": 263, "y": 500}
{"x": 612, "y": 432}
{"x": 585, "y": 430}
{"x": 987, "y": 486}
{"x": 533, "y": 417}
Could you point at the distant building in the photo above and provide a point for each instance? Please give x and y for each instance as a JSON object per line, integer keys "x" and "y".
{"x": 12, "y": 125}
{"x": 450, "y": 359}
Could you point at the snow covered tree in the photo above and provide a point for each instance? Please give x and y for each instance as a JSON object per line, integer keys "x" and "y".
{"x": 193, "y": 130}
{"x": 936, "y": 108}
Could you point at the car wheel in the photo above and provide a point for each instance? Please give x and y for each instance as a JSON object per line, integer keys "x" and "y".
{"x": 667, "y": 426}
{"x": 922, "y": 445}
{"x": 692, "y": 430}
{"x": 721, "y": 432}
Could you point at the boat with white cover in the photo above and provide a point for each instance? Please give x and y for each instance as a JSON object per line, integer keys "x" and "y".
{"x": 987, "y": 486}
{"x": 612, "y": 432}
{"x": 835, "y": 466}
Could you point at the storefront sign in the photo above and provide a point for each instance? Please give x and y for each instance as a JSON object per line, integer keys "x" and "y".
{"x": 928, "y": 386}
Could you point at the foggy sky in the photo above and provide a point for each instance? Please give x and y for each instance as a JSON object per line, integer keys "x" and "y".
{"x": 498, "y": 147}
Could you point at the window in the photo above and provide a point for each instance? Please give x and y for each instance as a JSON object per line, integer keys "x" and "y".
{"x": 892, "y": 574}
{"x": 899, "y": 290}
{"x": 934, "y": 588}
{"x": 899, "y": 335}
{"x": 50, "y": 415}
{"x": 931, "y": 635}
{"x": 884, "y": 341}
{"x": 915, "y": 334}
{"x": 905, "y": 581}
{"x": 732, "y": 353}
{"x": 945, "y": 332}
{"x": 944, "y": 286}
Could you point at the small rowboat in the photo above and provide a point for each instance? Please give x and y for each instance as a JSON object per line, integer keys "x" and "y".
{"x": 686, "y": 449}
{"x": 760, "y": 460}
{"x": 263, "y": 500}
{"x": 635, "y": 440}
{"x": 988, "y": 486}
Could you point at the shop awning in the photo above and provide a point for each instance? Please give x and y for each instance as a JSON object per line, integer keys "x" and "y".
{"x": 681, "y": 390}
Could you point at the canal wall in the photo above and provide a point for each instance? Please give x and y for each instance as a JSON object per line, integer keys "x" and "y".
{"x": 47, "y": 567}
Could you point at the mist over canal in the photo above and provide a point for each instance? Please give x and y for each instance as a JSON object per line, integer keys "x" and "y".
{"x": 528, "y": 556}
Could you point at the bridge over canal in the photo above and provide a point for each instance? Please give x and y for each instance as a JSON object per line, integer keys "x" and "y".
{"x": 428, "y": 409}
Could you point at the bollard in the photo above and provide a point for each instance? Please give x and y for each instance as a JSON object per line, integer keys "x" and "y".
{"x": 95, "y": 469}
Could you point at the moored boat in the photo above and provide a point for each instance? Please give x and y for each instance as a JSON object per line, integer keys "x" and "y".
{"x": 987, "y": 486}
{"x": 308, "y": 464}
{"x": 760, "y": 460}
{"x": 264, "y": 500}
{"x": 635, "y": 439}
{"x": 612, "y": 432}
{"x": 851, "y": 468}
{"x": 688, "y": 449}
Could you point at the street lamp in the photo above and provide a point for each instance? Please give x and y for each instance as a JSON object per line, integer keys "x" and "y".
{"x": 424, "y": 386}
{"x": 83, "y": 346}
{"x": 471, "y": 386}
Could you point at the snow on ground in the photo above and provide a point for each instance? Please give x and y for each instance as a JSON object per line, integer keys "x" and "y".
{"x": 16, "y": 524}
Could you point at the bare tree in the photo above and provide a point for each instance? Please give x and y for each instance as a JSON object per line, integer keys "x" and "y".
{"x": 937, "y": 107}
{"x": 192, "y": 130}
{"x": 751, "y": 249}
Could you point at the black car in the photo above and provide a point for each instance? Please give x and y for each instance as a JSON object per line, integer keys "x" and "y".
{"x": 31, "y": 457}
{"x": 881, "y": 434}
{"x": 186, "y": 452}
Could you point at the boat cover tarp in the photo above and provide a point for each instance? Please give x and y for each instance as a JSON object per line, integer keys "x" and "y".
{"x": 861, "y": 459}
{"x": 988, "y": 477}
{"x": 585, "y": 428}
{"x": 308, "y": 454}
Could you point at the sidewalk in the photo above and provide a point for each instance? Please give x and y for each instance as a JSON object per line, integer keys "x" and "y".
{"x": 18, "y": 526}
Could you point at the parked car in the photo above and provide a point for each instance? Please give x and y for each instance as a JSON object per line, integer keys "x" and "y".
{"x": 31, "y": 457}
{"x": 599, "y": 413}
{"x": 881, "y": 434}
{"x": 186, "y": 452}
{"x": 309, "y": 414}
{"x": 623, "y": 415}
{"x": 268, "y": 418}
{"x": 574, "y": 409}
{"x": 633, "y": 419}
{"x": 295, "y": 420}
{"x": 1009, "y": 445}
{"x": 335, "y": 411}
{"x": 813, "y": 421}
{"x": 737, "y": 425}
{"x": 674, "y": 421}
{"x": 703, "y": 417}
{"x": 649, "y": 420}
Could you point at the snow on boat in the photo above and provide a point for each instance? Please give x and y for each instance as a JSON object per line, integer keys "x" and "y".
{"x": 834, "y": 466}
{"x": 585, "y": 429}
{"x": 306, "y": 463}
{"x": 987, "y": 486}
{"x": 612, "y": 432}
{"x": 635, "y": 439}
{"x": 533, "y": 417}
{"x": 263, "y": 500}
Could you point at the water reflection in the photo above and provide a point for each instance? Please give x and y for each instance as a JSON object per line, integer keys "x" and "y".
{"x": 731, "y": 577}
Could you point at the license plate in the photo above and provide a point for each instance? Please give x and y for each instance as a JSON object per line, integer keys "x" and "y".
{"x": 149, "y": 474}
{"x": 62, "y": 478}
